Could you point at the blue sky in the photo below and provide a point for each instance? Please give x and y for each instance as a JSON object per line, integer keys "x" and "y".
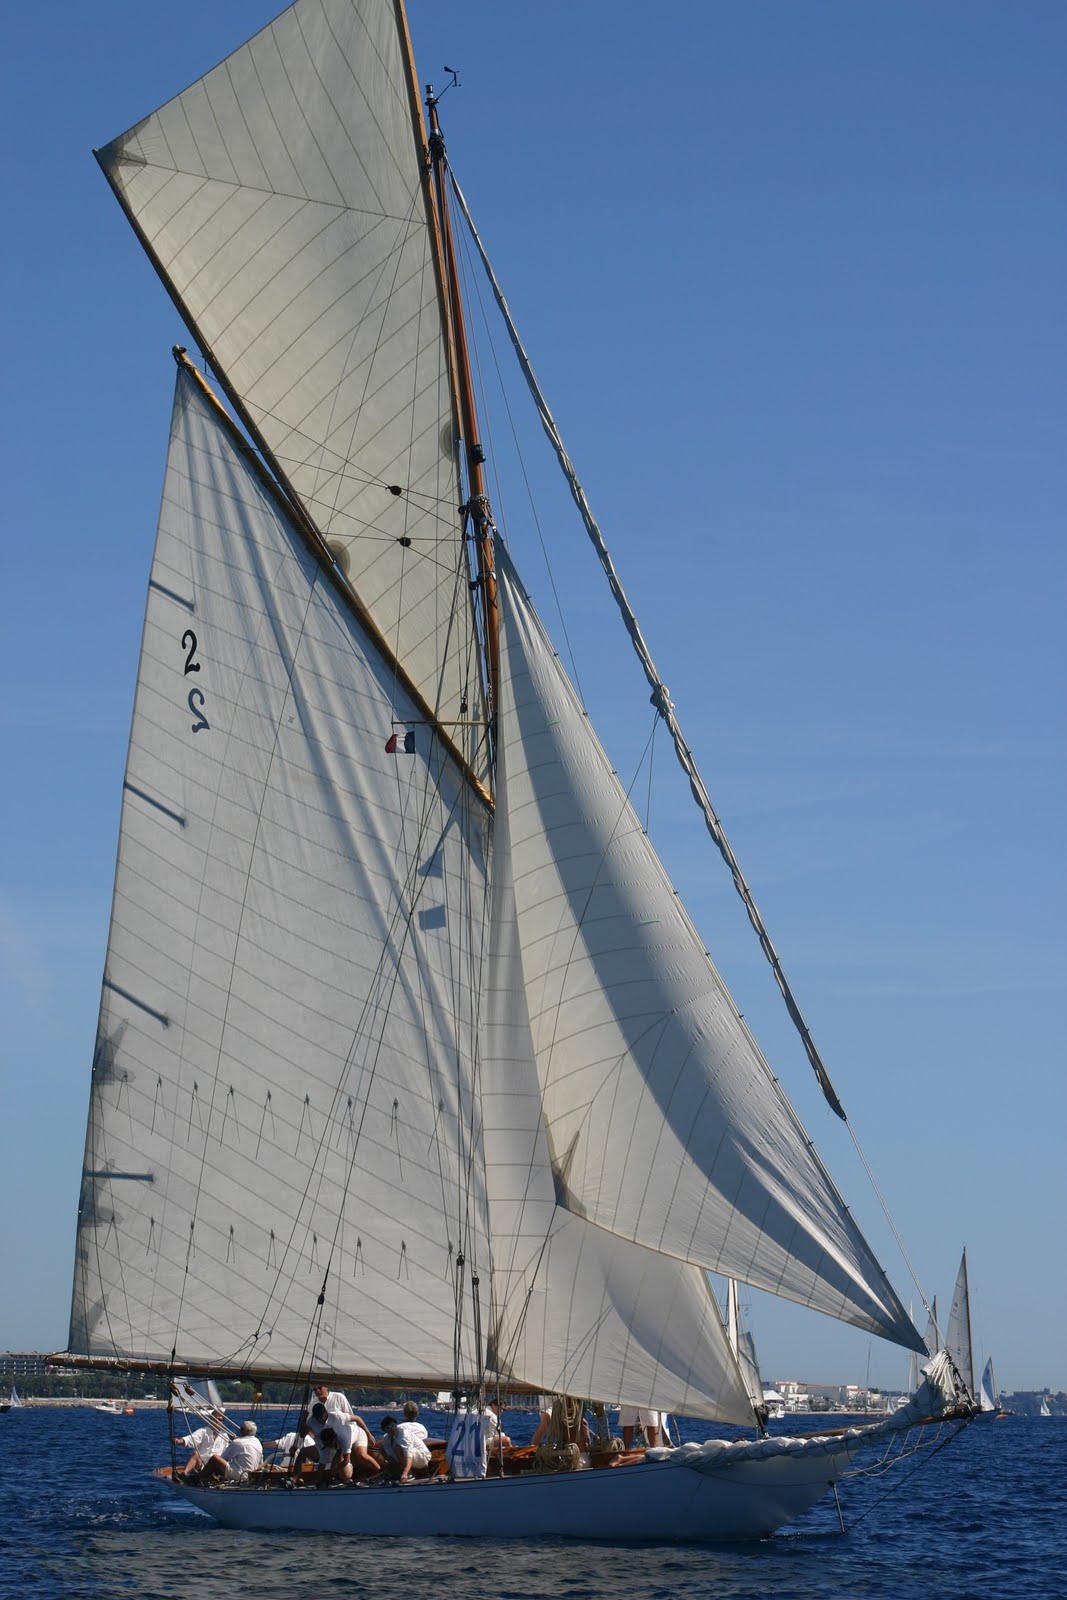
{"x": 792, "y": 277}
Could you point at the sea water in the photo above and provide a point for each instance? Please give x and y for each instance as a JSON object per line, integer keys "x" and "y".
{"x": 984, "y": 1518}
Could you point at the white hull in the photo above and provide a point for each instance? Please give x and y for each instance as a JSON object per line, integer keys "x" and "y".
{"x": 651, "y": 1500}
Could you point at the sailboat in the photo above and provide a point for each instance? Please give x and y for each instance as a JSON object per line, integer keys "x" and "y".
{"x": 989, "y": 1395}
{"x": 12, "y": 1403}
{"x": 400, "y": 1008}
{"x": 766, "y": 1403}
{"x": 1043, "y": 1409}
{"x": 958, "y": 1336}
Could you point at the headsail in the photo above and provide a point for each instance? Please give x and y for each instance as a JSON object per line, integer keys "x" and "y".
{"x": 665, "y": 1125}
{"x": 958, "y": 1338}
{"x": 282, "y": 200}
{"x": 282, "y": 1086}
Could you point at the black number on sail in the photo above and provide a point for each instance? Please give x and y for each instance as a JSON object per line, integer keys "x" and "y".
{"x": 196, "y": 705}
{"x": 189, "y": 642}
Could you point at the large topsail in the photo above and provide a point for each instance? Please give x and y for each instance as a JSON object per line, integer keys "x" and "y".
{"x": 282, "y": 1087}
{"x": 281, "y": 198}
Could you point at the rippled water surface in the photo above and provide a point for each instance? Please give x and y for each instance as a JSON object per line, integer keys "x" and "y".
{"x": 80, "y": 1515}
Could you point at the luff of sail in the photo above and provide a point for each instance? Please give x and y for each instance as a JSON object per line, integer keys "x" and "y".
{"x": 282, "y": 1085}
{"x": 281, "y": 199}
{"x": 664, "y": 1122}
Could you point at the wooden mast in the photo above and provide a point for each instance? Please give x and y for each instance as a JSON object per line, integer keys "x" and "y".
{"x": 477, "y": 507}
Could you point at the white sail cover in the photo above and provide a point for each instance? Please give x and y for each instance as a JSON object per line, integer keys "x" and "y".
{"x": 282, "y": 1085}
{"x": 958, "y": 1338}
{"x": 281, "y": 200}
{"x": 664, "y": 1123}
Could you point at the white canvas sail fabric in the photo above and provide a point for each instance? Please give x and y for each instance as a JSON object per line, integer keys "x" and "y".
{"x": 665, "y": 1125}
{"x": 282, "y": 1087}
{"x": 958, "y": 1337}
{"x": 281, "y": 199}
{"x": 576, "y": 1309}
{"x": 743, "y": 1346}
{"x": 988, "y": 1396}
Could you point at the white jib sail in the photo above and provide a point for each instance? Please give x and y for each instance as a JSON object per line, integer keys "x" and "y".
{"x": 281, "y": 199}
{"x": 664, "y": 1123}
{"x": 743, "y": 1345}
{"x": 576, "y": 1309}
{"x": 282, "y": 1087}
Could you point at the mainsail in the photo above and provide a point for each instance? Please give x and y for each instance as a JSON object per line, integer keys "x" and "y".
{"x": 282, "y": 1085}
{"x": 391, "y": 1082}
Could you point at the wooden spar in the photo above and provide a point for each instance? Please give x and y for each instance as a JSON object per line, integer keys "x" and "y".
{"x": 478, "y": 506}
{"x": 260, "y": 1375}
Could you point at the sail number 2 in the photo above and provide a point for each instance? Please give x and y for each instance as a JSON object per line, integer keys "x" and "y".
{"x": 196, "y": 700}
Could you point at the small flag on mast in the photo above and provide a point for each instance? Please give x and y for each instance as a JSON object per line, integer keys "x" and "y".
{"x": 394, "y": 746}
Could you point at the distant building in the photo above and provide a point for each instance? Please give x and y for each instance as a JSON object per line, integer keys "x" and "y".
{"x": 800, "y": 1395}
{"x": 32, "y": 1365}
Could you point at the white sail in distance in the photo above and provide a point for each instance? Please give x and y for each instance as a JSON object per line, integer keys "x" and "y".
{"x": 282, "y": 1089}
{"x": 743, "y": 1346}
{"x": 958, "y": 1336}
{"x": 281, "y": 199}
{"x": 987, "y": 1398}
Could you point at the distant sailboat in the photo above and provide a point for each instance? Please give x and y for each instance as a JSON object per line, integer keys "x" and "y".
{"x": 12, "y": 1404}
{"x": 1043, "y": 1410}
{"x": 958, "y": 1339}
{"x": 987, "y": 1397}
{"x": 765, "y": 1402}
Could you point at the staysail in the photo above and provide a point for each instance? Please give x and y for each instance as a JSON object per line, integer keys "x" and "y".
{"x": 577, "y": 1309}
{"x": 282, "y": 201}
{"x": 282, "y": 1098}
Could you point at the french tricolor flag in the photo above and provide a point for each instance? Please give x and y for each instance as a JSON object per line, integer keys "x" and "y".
{"x": 394, "y": 746}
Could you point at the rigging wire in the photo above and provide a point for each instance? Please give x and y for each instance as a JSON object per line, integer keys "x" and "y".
{"x": 473, "y": 289}
{"x": 660, "y": 696}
